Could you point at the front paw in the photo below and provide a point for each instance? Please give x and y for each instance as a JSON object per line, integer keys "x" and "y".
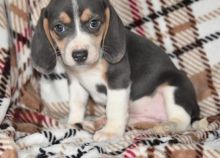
{"x": 107, "y": 134}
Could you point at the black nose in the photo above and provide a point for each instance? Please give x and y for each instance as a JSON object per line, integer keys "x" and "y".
{"x": 80, "y": 55}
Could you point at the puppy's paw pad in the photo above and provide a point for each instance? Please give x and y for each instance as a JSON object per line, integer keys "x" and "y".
{"x": 104, "y": 135}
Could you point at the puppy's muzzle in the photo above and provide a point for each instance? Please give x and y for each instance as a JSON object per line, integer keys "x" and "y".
{"x": 80, "y": 56}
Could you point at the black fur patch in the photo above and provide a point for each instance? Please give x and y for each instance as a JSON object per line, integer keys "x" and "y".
{"x": 101, "y": 89}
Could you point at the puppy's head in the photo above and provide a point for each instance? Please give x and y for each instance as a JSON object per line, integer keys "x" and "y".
{"x": 83, "y": 30}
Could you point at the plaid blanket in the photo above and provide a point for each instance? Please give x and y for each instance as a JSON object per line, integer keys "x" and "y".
{"x": 33, "y": 107}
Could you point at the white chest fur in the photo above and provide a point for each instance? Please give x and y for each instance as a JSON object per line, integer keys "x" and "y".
{"x": 91, "y": 79}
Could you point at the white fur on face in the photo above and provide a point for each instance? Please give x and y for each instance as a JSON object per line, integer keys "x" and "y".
{"x": 80, "y": 41}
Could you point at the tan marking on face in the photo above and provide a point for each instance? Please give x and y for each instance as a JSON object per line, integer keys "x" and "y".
{"x": 95, "y": 39}
{"x": 96, "y": 42}
{"x": 104, "y": 68}
{"x": 98, "y": 37}
{"x": 64, "y": 17}
{"x": 86, "y": 15}
{"x": 91, "y": 42}
{"x": 47, "y": 32}
{"x": 107, "y": 21}
{"x": 60, "y": 43}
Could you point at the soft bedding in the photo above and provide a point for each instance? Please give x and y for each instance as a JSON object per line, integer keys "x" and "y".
{"x": 33, "y": 107}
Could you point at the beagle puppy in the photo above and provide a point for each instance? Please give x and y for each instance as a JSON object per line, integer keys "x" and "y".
{"x": 114, "y": 66}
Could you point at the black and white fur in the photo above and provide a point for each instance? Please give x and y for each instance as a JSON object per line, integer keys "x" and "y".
{"x": 136, "y": 68}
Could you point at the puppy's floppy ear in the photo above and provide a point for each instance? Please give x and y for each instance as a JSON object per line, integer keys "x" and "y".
{"x": 114, "y": 44}
{"x": 42, "y": 51}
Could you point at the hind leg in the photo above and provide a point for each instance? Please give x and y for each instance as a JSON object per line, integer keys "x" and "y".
{"x": 178, "y": 118}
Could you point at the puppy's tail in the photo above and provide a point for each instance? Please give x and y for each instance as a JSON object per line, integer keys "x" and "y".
{"x": 201, "y": 124}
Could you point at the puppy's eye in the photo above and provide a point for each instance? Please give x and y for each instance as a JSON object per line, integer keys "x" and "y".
{"x": 94, "y": 25}
{"x": 59, "y": 28}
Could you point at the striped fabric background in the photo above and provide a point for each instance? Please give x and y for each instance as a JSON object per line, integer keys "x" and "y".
{"x": 188, "y": 30}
